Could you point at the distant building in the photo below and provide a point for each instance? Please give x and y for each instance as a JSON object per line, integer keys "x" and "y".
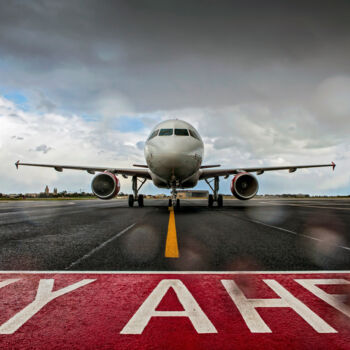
{"x": 31, "y": 195}
{"x": 192, "y": 194}
{"x": 47, "y": 191}
{"x": 55, "y": 191}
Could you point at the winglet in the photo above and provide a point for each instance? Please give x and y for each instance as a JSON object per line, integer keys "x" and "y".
{"x": 17, "y": 164}
{"x": 333, "y": 165}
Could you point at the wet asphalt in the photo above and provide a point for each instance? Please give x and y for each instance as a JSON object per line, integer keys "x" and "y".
{"x": 95, "y": 235}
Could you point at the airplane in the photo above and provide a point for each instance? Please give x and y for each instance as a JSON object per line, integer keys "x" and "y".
{"x": 174, "y": 155}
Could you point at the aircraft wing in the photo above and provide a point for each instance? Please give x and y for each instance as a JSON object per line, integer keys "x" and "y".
{"x": 143, "y": 173}
{"x": 207, "y": 173}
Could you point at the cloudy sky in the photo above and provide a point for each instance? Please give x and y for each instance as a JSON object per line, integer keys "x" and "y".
{"x": 265, "y": 82}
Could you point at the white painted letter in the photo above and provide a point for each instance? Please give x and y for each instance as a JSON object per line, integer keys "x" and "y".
{"x": 334, "y": 300}
{"x": 147, "y": 310}
{"x": 43, "y": 296}
{"x": 8, "y": 281}
{"x": 255, "y": 323}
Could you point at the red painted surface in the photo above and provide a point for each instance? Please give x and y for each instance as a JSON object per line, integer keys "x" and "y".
{"x": 92, "y": 316}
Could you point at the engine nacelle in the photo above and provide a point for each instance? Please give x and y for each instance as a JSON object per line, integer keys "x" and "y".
{"x": 105, "y": 185}
{"x": 244, "y": 186}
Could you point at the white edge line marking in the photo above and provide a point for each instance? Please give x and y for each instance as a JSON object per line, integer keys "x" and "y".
{"x": 176, "y": 272}
{"x": 308, "y": 206}
{"x": 289, "y": 231}
{"x": 297, "y": 234}
{"x": 26, "y": 215}
{"x": 87, "y": 255}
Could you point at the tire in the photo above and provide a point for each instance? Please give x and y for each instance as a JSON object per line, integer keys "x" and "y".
{"x": 220, "y": 200}
{"x": 178, "y": 203}
{"x": 140, "y": 200}
{"x": 131, "y": 200}
{"x": 170, "y": 204}
{"x": 210, "y": 201}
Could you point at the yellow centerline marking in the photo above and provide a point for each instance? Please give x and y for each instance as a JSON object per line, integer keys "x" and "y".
{"x": 171, "y": 248}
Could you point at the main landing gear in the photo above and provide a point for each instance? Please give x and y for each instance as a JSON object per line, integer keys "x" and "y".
{"x": 131, "y": 200}
{"x": 215, "y": 197}
{"x": 136, "y": 197}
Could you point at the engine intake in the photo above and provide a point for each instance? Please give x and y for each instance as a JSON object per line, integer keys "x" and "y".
{"x": 244, "y": 186}
{"x": 105, "y": 185}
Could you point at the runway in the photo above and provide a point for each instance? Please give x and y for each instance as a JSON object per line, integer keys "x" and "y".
{"x": 98, "y": 274}
{"x": 95, "y": 235}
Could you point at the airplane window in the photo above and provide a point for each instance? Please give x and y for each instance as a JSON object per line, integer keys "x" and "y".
{"x": 181, "y": 132}
{"x": 194, "y": 134}
{"x": 165, "y": 132}
{"x": 154, "y": 134}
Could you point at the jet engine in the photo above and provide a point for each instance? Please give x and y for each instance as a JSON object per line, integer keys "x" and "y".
{"x": 244, "y": 186}
{"x": 105, "y": 185}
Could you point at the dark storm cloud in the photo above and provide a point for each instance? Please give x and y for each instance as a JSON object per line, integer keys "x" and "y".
{"x": 171, "y": 54}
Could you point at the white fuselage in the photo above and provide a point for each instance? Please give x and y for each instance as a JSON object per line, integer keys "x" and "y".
{"x": 174, "y": 153}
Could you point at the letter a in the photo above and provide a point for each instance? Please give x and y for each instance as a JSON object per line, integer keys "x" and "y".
{"x": 147, "y": 310}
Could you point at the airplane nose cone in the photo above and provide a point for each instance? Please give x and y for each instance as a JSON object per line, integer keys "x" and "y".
{"x": 173, "y": 159}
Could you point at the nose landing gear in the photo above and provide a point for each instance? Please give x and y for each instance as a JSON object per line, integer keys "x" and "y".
{"x": 215, "y": 197}
{"x": 174, "y": 202}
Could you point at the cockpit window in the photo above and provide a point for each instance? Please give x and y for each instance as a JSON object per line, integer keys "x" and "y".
{"x": 154, "y": 134}
{"x": 165, "y": 132}
{"x": 181, "y": 132}
{"x": 194, "y": 134}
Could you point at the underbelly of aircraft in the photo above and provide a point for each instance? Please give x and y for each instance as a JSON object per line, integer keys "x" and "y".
{"x": 190, "y": 182}
{"x": 180, "y": 171}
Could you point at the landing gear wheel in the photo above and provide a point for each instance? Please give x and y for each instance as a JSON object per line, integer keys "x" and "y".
{"x": 131, "y": 200}
{"x": 140, "y": 200}
{"x": 220, "y": 200}
{"x": 170, "y": 204}
{"x": 178, "y": 203}
{"x": 210, "y": 201}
